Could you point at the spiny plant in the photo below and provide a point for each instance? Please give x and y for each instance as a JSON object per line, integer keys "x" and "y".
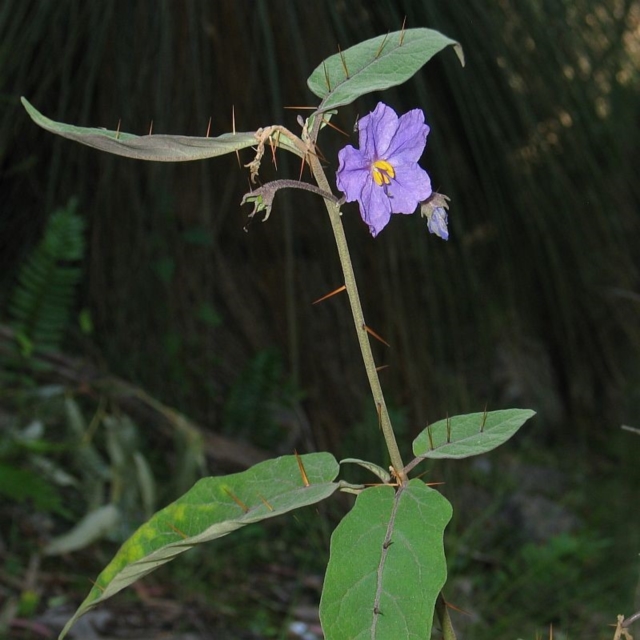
{"x": 537, "y": 172}
{"x": 387, "y": 563}
{"x": 44, "y": 294}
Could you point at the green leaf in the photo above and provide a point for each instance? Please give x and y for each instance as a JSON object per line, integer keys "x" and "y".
{"x": 212, "y": 508}
{"x": 377, "y": 470}
{"x": 159, "y": 148}
{"x": 91, "y": 527}
{"x": 387, "y": 565}
{"x": 469, "y": 435}
{"x": 376, "y": 64}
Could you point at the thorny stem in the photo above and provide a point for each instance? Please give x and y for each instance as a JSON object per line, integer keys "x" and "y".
{"x": 445, "y": 621}
{"x": 358, "y": 319}
{"x": 306, "y": 148}
{"x": 274, "y": 185}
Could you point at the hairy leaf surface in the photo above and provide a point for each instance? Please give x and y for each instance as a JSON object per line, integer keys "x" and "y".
{"x": 469, "y": 435}
{"x": 158, "y": 148}
{"x": 376, "y": 64}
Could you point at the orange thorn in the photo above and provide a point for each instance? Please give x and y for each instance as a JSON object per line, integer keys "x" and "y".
{"x": 333, "y": 126}
{"x": 404, "y": 21}
{"x": 382, "y": 366}
{"x": 118, "y": 129}
{"x": 344, "y": 62}
{"x": 150, "y": 128}
{"x": 237, "y": 500}
{"x": 458, "y": 609}
{"x": 375, "y": 335}
{"x": 333, "y": 293}
{"x": 382, "y": 45}
{"x": 274, "y": 147}
{"x": 320, "y": 155}
{"x": 266, "y": 504}
{"x": 484, "y": 419}
{"x": 303, "y": 162}
{"x": 430, "y": 434}
{"x": 300, "y": 107}
{"x": 95, "y": 584}
{"x": 326, "y": 76}
{"x": 175, "y": 529}
{"x": 303, "y": 473}
{"x": 209, "y": 128}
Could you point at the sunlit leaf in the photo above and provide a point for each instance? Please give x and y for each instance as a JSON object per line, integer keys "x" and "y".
{"x": 213, "y": 508}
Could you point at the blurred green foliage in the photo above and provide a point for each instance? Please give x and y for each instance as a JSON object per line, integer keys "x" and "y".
{"x": 43, "y": 297}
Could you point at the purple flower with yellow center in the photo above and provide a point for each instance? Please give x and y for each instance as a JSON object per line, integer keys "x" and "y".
{"x": 384, "y": 175}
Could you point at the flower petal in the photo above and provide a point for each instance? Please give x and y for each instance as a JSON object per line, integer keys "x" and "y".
{"x": 376, "y": 131}
{"x": 352, "y": 173}
{"x": 411, "y": 186}
{"x": 375, "y": 207}
{"x": 409, "y": 140}
{"x": 438, "y": 223}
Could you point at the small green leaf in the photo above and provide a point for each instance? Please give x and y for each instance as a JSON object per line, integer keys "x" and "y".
{"x": 159, "y": 148}
{"x": 469, "y": 435}
{"x": 212, "y": 508}
{"x": 376, "y": 64}
{"x": 387, "y": 565}
{"x": 383, "y": 474}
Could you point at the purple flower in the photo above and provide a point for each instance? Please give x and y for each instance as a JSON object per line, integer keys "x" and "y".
{"x": 383, "y": 175}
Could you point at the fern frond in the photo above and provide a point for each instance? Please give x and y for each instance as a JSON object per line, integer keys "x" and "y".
{"x": 44, "y": 294}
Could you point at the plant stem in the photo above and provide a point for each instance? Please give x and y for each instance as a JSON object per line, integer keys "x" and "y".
{"x": 358, "y": 319}
{"x": 445, "y": 621}
{"x": 274, "y": 185}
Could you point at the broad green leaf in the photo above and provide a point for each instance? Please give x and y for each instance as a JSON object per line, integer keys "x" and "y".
{"x": 469, "y": 435}
{"x": 387, "y": 565}
{"x": 159, "y": 148}
{"x": 376, "y": 64}
{"x": 212, "y": 508}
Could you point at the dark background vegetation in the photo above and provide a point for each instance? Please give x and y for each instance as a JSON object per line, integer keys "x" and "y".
{"x": 533, "y": 302}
